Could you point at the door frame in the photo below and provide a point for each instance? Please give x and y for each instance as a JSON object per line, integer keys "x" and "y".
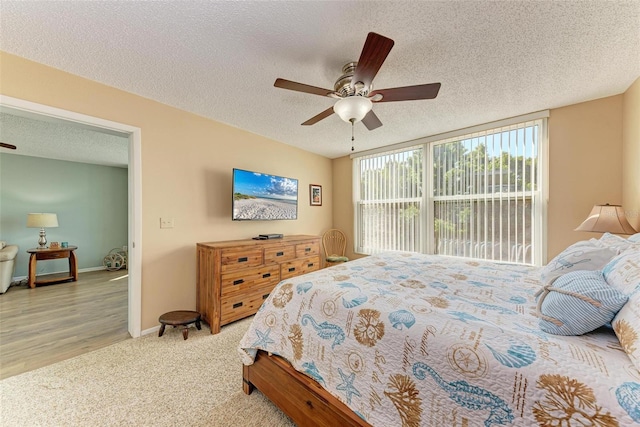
{"x": 134, "y": 258}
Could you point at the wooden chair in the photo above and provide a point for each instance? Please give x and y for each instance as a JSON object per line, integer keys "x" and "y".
{"x": 334, "y": 243}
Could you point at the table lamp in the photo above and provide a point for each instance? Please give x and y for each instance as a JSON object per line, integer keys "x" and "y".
{"x": 42, "y": 221}
{"x": 607, "y": 219}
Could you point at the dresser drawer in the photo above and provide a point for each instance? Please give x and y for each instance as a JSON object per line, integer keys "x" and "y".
{"x": 307, "y": 249}
{"x": 279, "y": 254}
{"x": 236, "y": 258}
{"x": 239, "y": 306}
{"x": 310, "y": 264}
{"x": 246, "y": 280}
{"x": 52, "y": 255}
{"x": 299, "y": 266}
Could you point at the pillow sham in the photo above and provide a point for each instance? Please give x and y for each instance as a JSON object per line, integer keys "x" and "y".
{"x": 584, "y": 255}
{"x": 626, "y": 325}
{"x": 623, "y": 271}
{"x": 578, "y": 302}
{"x": 623, "y": 274}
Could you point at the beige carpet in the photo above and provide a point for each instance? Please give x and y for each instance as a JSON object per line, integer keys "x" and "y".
{"x": 148, "y": 381}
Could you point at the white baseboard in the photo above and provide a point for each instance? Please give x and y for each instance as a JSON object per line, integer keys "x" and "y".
{"x": 150, "y": 330}
{"x": 81, "y": 270}
{"x": 86, "y": 270}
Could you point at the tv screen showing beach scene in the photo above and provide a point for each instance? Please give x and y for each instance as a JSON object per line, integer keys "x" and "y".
{"x": 262, "y": 197}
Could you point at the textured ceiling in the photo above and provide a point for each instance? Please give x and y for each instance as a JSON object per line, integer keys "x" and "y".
{"x": 60, "y": 140}
{"x": 220, "y": 59}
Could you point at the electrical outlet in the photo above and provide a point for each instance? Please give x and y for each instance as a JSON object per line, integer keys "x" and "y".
{"x": 167, "y": 222}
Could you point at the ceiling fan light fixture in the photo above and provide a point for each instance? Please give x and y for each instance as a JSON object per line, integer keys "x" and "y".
{"x": 353, "y": 108}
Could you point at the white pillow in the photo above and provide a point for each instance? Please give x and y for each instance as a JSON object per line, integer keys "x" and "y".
{"x": 616, "y": 242}
{"x": 584, "y": 255}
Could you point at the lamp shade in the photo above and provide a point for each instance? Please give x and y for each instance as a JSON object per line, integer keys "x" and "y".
{"x": 353, "y": 108}
{"x": 607, "y": 219}
{"x": 42, "y": 220}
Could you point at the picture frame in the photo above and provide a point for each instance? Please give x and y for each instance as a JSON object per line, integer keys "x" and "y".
{"x": 54, "y": 245}
{"x": 315, "y": 195}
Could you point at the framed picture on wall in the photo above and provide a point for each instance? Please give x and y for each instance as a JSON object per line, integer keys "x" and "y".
{"x": 315, "y": 194}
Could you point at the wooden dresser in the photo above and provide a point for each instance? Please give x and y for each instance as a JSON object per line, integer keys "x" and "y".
{"x": 236, "y": 276}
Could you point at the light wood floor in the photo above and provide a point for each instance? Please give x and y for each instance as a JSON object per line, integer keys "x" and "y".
{"x": 52, "y": 323}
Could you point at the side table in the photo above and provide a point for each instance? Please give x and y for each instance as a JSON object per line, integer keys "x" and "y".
{"x": 180, "y": 318}
{"x": 47, "y": 254}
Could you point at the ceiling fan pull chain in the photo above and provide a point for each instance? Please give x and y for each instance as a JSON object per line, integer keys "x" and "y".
{"x": 352, "y": 138}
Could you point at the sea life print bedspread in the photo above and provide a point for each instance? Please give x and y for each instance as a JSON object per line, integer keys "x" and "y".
{"x": 407, "y": 339}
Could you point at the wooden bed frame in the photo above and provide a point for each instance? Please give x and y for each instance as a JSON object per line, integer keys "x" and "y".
{"x": 296, "y": 394}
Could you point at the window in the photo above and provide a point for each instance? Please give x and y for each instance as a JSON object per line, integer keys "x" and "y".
{"x": 390, "y": 201}
{"x": 479, "y": 196}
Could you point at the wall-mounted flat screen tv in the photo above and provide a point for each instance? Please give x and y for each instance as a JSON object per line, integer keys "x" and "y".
{"x": 262, "y": 197}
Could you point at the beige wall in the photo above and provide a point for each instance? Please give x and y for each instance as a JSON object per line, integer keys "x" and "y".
{"x": 186, "y": 174}
{"x": 585, "y": 166}
{"x": 631, "y": 154}
{"x": 343, "y": 205}
{"x": 585, "y": 149}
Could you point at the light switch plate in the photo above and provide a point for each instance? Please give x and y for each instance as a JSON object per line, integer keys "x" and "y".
{"x": 167, "y": 222}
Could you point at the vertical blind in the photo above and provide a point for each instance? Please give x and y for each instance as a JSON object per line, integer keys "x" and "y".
{"x": 476, "y": 195}
{"x": 390, "y": 201}
{"x": 485, "y": 188}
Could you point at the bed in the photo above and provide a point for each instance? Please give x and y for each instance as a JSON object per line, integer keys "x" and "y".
{"x": 405, "y": 339}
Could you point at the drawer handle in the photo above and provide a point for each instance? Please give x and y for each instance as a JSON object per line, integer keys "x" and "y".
{"x": 243, "y": 259}
{"x": 310, "y": 265}
{"x": 265, "y": 296}
{"x": 292, "y": 269}
{"x": 237, "y": 282}
{"x": 238, "y": 304}
{"x": 279, "y": 253}
{"x": 265, "y": 275}
{"x": 307, "y": 249}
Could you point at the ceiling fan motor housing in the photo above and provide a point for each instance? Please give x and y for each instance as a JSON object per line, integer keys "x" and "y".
{"x": 343, "y": 84}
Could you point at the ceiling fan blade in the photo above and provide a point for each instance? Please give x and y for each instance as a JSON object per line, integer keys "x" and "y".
{"x": 375, "y": 51}
{"x": 315, "y": 119}
{"x": 300, "y": 87}
{"x": 407, "y": 93}
{"x": 371, "y": 121}
{"x": 9, "y": 146}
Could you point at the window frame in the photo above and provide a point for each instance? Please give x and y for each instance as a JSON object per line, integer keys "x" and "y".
{"x": 427, "y": 244}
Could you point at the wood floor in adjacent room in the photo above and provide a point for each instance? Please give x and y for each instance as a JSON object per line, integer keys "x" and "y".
{"x": 51, "y": 323}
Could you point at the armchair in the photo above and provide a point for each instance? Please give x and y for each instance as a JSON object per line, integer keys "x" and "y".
{"x": 7, "y": 265}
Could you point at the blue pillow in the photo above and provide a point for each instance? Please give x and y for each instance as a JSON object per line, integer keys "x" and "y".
{"x": 578, "y": 302}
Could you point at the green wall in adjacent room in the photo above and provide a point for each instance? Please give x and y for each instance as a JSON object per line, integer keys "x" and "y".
{"x": 90, "y": 201}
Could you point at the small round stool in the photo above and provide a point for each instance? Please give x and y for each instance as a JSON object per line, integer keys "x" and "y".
{"x": 179, "y": 318}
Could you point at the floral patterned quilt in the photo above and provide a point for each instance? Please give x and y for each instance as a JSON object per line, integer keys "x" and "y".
{"x": 406, "y": 339}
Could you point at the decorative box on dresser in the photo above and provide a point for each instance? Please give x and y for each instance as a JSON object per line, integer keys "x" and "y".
{"x": 234, "y": 277}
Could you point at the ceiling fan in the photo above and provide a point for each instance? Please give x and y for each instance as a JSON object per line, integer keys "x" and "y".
{"x": 9, "y": 146}
{"x": 354, "y": 89}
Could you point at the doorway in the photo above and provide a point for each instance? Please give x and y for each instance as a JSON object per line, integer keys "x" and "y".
{"x": 43, "y": 112}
